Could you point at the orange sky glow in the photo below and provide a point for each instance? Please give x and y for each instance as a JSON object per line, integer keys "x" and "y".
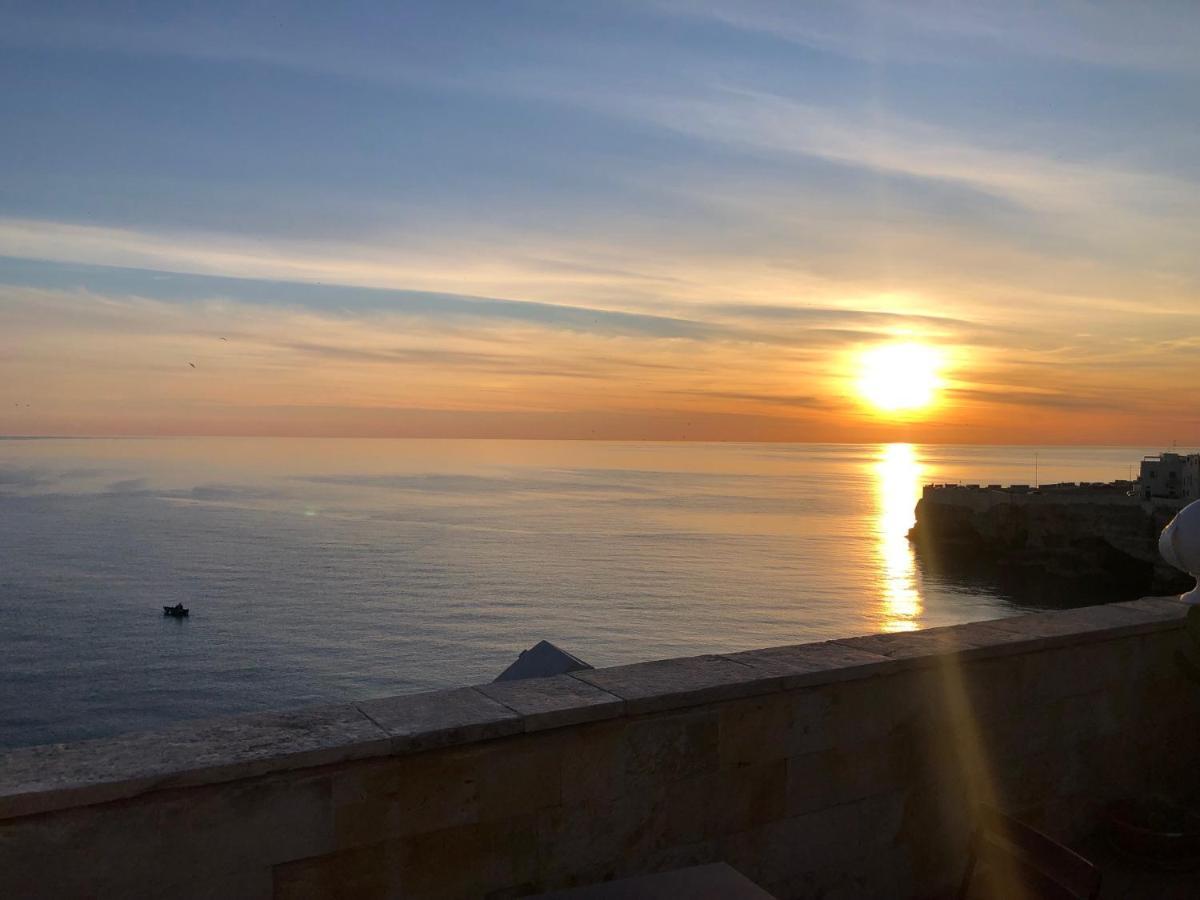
{"x": 688, "y": 222}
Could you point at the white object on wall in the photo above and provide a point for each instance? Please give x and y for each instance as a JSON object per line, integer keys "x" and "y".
{"x": 1179, "y": 545}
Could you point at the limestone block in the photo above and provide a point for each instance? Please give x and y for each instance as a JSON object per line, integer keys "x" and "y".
{"x": 621, "y": 765}
{"x": 254, "y": 884}
{"x": 57, "y": 776}
{"x": 723, "y": 802}
{"x": 869, "y": 710}
{"x": 740, "y": 798}
{"x": 970, "y": 709}
{"x": 481, "y": 860}
{"x": 767, "y": 854}
{"x": 846, "y": 774}
{"x": 1111, "y": 767}
{"x": 402, "y": 795}
{"x": 173, "y": 843}
{"x": 436, "y": 790}
{"x": 441, "y": 718}
{"x": 583, "y": 843}
{"x": 621, "y": 759}
{"x": 1154, "y": 657}
{"x": 755, "y": 730}
{"x": 519, "y": 777}
{"x": 988, "y": 687}
{"x": 1084, "y": 717}
{"x": 681, "y": 813}
{"x": 593, "y": 762}
{"x": 934, "y": 835}
{"x": 642, "y": 831}
{"x": 675, "y": 683}
{"x": 473, "y": 860}
{"x": 613, "y": 759}
{"x": 554, "y": 702}
{"x": 1036, "y": 779}
{"x": 1002, "y": 744}
{"x": 660, "y": 749}
{"x": 371, "y": 872}
{"x": 1172, "y": 773}
{"x": 1078, "y": 669}
{"x": 812, "y": 725}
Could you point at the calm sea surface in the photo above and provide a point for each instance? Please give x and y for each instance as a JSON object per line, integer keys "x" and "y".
{"x": 321, "y": 570}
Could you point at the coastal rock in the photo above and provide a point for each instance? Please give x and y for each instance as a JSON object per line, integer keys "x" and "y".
{"x": 1041, "y": 547}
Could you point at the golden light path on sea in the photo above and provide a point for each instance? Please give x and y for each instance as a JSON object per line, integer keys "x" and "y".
{"x": 897, "y": 473}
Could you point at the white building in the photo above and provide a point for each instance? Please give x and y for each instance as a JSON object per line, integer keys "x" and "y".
{"x": 1172, "y": 476}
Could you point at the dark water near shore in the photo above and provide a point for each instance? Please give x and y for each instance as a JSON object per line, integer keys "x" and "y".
{"x": 320, "y": 570}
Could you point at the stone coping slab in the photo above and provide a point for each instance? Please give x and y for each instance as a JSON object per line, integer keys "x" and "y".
{"x": 801, "y": 665}
{"x": 1070, "y": 626}
{"x": 928, "y": 646}
{"x": 440, "y": 718}
{"x": 555, "y": 702}
{"x": 674, "y": 683}
{"x": 1024, "y": 634}
{"x": 57, "y": 776}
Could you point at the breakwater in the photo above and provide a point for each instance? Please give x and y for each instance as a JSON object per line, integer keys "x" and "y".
{"x": 1049, "y": 544}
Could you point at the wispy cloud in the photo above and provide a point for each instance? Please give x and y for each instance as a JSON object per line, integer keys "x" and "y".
{"x": 802, "y": 401}
{"x": 349, "y": 297}
{"x": 1155, "y": 37}
{"x": 889, "y": 143}
{"x": 1007, "y": 396}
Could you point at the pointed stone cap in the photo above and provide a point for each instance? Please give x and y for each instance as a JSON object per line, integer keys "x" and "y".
{"x": 540, "y": 661}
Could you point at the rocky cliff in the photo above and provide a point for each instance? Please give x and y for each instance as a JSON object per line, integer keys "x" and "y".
{"x": 1047, "y": 549}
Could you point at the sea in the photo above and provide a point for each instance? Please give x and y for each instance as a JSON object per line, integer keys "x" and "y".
{"x": 323, "y": 570}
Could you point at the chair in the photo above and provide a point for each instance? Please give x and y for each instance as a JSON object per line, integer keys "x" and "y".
{"x": 1010, "y": 860}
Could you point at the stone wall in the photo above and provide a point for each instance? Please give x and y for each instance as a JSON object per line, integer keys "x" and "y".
{"x": 981, "y": 497}
{"x": 838, "y": 769}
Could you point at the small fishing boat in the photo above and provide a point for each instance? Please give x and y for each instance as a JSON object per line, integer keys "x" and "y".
{"x": 178, "y": 611}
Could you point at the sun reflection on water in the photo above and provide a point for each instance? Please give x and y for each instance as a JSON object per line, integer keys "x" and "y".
{"x": 897, "y": 488}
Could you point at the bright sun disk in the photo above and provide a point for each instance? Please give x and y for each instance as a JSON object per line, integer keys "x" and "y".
{"x": 900, "y": 377}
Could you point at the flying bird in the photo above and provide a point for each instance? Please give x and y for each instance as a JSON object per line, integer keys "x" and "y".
{"x": 225, "y": 339}
{"x": 193, "y": 365}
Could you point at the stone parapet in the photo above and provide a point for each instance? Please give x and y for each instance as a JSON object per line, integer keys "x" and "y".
{"x": 865, "y": 749}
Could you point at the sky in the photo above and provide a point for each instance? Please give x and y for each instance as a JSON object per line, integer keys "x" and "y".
{"x": 656, "y": 220}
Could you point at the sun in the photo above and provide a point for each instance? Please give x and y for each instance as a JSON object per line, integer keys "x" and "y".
{"x": 901, "y": 377}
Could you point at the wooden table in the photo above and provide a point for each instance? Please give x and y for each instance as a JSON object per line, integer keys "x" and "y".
{"x": 715, "y": 881}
